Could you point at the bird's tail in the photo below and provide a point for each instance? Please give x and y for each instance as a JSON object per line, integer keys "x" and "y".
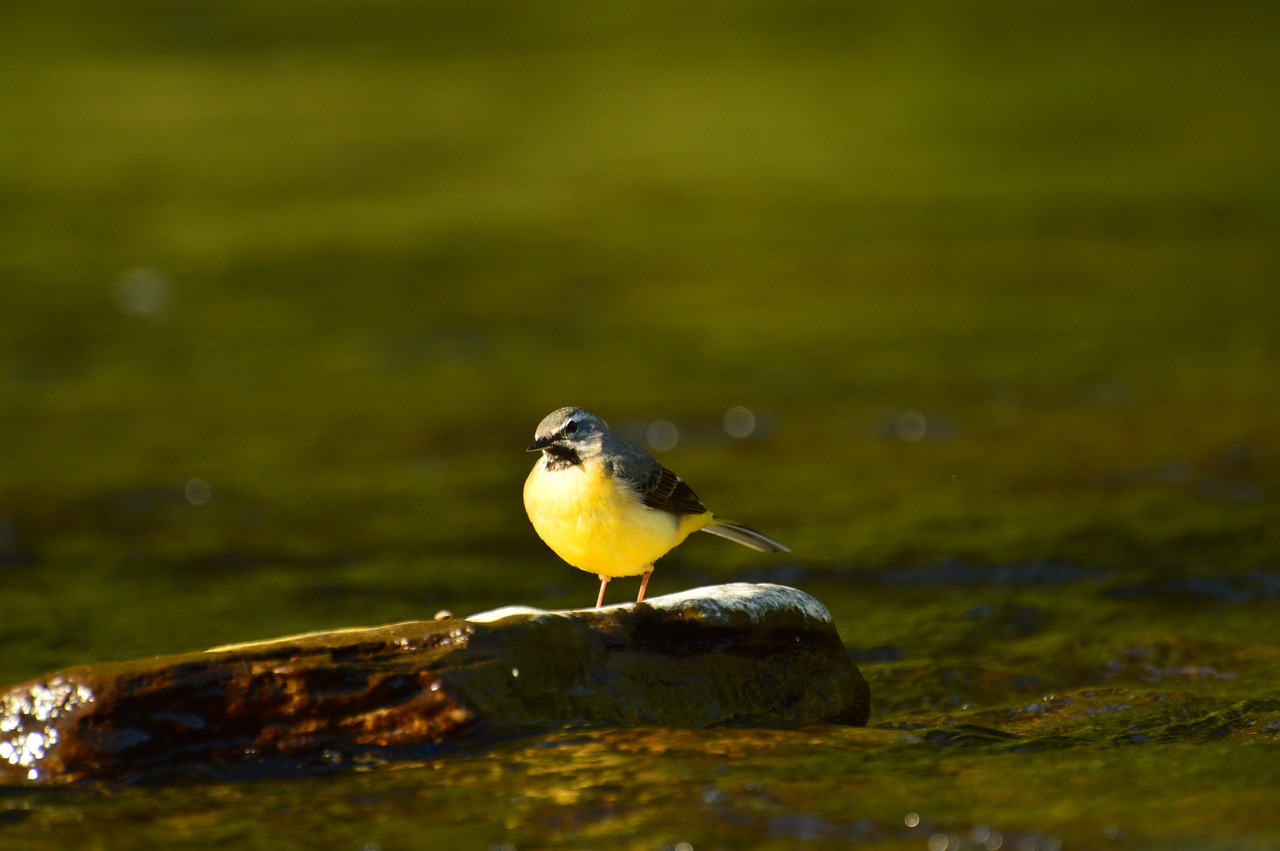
{"x": 743, "y": 535}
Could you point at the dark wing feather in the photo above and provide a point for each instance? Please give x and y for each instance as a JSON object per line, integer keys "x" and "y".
{"x": 657, "y": 487}
{"x": 665, "y": 491}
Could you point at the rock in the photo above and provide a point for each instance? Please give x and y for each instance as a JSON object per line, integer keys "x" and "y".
{"x": 728, "y": 655}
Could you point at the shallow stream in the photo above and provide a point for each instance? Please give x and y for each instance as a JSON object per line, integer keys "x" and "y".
{"x": 971, "y": 306}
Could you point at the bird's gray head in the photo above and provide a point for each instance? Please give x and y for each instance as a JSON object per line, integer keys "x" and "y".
{"x": 569, "y": 435}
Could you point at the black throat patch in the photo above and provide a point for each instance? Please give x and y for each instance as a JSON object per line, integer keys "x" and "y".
{"x": 560, "y": 457}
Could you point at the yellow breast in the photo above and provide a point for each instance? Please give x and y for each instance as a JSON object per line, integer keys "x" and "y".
{"x": 597, "y": 524}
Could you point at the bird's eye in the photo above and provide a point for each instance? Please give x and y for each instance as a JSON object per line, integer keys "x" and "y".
{"x": 571, "y": 427}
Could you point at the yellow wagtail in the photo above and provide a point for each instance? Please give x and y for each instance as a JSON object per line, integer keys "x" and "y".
{"x": 606, "y": 506}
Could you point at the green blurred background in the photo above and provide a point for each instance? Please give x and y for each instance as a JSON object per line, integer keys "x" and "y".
{"x": 286, "y": 287}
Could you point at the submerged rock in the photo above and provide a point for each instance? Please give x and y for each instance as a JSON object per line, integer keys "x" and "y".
{"x": 726, "y": 655}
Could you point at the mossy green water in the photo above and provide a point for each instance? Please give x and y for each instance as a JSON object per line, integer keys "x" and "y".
{"x": 285, "y": 290}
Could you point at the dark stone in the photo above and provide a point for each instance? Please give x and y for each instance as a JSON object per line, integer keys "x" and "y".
{"x": 728, "y": 655}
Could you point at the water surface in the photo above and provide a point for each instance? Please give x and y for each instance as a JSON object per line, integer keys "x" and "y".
{"x": 286, "y": 290}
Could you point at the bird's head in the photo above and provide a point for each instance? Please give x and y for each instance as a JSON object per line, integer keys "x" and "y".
{"x": 570, "y": 433}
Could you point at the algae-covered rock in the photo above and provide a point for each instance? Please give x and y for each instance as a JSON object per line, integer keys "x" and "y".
{"x": 732, "y": 654}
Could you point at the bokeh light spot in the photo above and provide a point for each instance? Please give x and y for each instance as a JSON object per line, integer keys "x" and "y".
{"x": 198, "y": 491}
{"x": 911, "y": 426}
{"x": 662, "y": 435}
{"x": 739, "y": 422}
{"x": 144, "y": 292}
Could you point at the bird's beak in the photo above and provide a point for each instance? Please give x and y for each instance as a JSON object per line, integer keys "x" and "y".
{"x": 539, "y": 444}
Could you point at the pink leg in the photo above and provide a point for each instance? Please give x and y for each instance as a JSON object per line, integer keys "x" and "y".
{"x": 644, "y": 583}
{"x": 604, "y": 582}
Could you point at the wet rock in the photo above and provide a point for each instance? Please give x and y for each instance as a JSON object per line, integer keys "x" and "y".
{"x": 733, "y": 654}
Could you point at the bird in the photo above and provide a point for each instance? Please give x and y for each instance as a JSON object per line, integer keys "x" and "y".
{"x": 606, "y": 506}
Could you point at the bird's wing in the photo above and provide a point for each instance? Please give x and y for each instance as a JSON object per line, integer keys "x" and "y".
{"x": 666, "y": 491}
{"x": 657, "y": 487}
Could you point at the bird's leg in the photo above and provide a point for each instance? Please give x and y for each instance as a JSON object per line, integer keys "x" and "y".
{"x": 644, "y": 583}
{"x": 604, "y": 582}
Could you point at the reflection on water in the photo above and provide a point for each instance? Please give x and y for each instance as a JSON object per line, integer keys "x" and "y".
{"x": 26, "y": 731}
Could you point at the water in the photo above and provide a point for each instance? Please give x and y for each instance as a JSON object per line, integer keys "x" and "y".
{"x": 286, "y": 292}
